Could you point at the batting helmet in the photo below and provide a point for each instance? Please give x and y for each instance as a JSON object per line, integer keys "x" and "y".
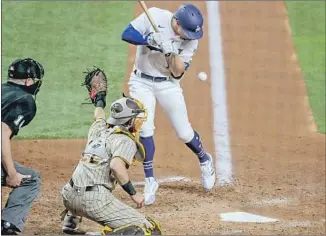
{"x": 191, "y": 20}
{"x": 25, "y": 68}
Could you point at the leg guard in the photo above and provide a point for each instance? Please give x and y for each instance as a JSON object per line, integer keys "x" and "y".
{"x": 70, "y": 223}
{"x": 134, "y": 229}
{"x": 125, "y": 230}
{"x": 156, "y": 229}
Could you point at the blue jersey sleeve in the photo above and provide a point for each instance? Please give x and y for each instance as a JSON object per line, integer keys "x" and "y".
{"x": 131, "y": 35}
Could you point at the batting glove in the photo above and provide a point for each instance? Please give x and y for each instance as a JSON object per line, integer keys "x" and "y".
{"x": 155, "y": 39}
{"x": 169, "y": 48}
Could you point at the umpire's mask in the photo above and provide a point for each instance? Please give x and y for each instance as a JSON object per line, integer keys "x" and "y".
{"x": 24, "y": 69}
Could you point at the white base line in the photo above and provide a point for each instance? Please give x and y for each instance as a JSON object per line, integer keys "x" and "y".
{"x": 167, "y": 180}
{"x": 218, "y": 91}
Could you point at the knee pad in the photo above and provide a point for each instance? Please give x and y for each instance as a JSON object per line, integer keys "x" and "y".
{"x": 154, "y": 229}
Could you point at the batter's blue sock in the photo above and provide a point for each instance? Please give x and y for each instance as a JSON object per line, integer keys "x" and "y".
{"x": 150, "y": 150}
{"x": 197, "y": 147}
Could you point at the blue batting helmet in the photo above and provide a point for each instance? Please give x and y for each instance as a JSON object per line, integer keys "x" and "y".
{"x": 191, "y": 21}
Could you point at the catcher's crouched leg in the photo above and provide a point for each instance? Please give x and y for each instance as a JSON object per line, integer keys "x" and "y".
{"x": 70, "y": 223}
{"x": 134, "y": 229}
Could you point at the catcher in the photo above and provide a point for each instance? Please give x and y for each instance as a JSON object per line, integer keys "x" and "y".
{"x": 111, "y": 148}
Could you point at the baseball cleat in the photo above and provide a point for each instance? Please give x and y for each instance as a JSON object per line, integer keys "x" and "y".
{"x": 208, "y": 177}
{"x": 72, "y": 231}
{"x": 70, "y": 224}
{"x": 151, "y": 186}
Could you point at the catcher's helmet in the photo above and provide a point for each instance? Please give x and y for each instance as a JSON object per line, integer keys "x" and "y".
{"x": 125, "y": 109}
{"x": 25, "y": 68}
{"x": 191, "y": 20}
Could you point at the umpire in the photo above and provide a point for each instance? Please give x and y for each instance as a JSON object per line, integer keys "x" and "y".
{"x": 18, "y": 109}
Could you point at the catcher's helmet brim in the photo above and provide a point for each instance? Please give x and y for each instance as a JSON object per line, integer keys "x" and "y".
{"x": 113, "y": 121}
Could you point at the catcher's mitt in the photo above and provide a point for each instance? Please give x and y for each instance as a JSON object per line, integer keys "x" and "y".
{"x": 96, "y": 84}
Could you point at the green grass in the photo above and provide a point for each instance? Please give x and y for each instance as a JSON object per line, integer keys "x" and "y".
{"x": 67, "y": 38}
{"x": 307, "y": 20}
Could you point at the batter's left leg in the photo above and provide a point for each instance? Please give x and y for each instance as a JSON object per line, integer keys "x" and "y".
{"x": 174, "y": 106}
{"x": 143, "y": 92}
{"x": 151, "y": 185}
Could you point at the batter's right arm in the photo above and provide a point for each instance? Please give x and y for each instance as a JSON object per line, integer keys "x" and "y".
{"x": 179, "y": 63}
{"x": 177, "y": 66}
{"x": 138, "y": 32}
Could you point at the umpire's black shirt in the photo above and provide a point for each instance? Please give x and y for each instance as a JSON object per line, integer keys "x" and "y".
{"x": 18, "y": 107}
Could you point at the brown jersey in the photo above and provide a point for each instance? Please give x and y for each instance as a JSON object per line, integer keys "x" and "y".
{"x": 99, "y": 204}
{"x": 103, "y": 144}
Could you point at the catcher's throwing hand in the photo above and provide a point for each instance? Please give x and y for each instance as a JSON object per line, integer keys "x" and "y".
{"x": 96, "y": 84}
{"x": 138, "y": 199}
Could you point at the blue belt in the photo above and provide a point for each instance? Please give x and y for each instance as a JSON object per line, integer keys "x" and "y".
{"x": 152, "y": 78}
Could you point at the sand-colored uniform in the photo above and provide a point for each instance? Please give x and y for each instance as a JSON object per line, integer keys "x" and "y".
{"x": 93, "y": 180}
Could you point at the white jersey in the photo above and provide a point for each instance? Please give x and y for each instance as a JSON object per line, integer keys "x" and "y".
{"x": 153, "y": 62}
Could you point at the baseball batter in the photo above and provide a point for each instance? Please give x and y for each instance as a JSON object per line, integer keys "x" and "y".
{"x": 111, "y": 148}
{"x": 161, "y": 61}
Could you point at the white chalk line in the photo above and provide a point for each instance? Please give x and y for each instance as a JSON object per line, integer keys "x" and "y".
{"x": 167, "y": 180}
{"x": 218, "y": 92}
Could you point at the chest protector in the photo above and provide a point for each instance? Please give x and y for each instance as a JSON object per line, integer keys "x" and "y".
{"x": 97, "y": 146}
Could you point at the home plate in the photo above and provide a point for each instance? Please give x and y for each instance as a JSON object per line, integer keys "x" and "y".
{"x": 245, "y": 217}
{"x": 167, "y": 180}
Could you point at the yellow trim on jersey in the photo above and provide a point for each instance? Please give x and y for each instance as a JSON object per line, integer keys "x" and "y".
{"x": 140, "y": 154}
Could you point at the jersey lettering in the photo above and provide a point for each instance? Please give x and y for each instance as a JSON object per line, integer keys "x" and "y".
{"x": 96, "y": 145}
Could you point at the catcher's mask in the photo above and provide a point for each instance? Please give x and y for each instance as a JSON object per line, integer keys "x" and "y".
{"x": 129, "y": 113}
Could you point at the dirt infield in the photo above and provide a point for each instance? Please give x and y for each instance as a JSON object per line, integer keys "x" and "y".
{"x": 278, "y": 158}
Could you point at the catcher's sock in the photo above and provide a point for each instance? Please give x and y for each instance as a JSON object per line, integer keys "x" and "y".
{"x": 150, "y": 150}
{"x": 197, "y": 147}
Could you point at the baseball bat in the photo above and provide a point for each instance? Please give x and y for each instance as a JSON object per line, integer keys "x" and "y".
{"x": 143, "y": 5}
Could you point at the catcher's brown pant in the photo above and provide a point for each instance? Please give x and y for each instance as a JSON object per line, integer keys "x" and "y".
{"x": 98, "y": 204}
